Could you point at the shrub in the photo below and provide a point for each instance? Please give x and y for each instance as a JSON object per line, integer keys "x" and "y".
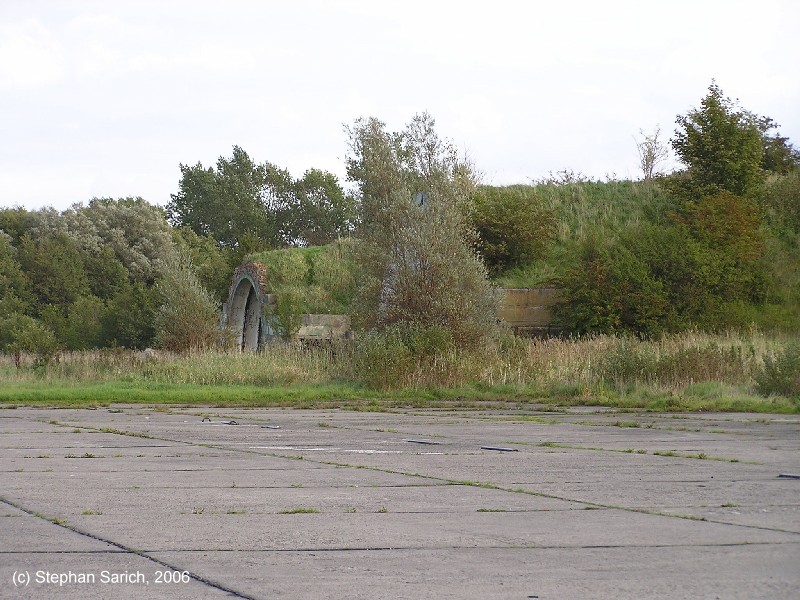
{"x": 397, "y": 356}
{"x": 381, "y": 360}
{"x": 188, "y": 319}
{"x": 612, "y": 290}
{"x": 20, "y": 334}
{"x": 780, "y": 373}
{"x": 513, "y": 224}
{"x": 782, "y": 206}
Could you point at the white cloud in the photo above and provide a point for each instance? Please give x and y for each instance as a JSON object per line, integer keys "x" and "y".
{"x": 30, "y": 55}
{"x": 114, "y": 95}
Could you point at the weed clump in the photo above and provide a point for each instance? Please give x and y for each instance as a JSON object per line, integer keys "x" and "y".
{"x": 780, "y": 374}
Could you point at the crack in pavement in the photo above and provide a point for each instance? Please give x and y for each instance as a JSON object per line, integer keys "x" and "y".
{"x": 441, "y": 480}
{"x": 123, "y": 549}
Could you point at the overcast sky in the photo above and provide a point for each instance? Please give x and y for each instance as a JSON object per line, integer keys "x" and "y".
{"x": 108, "y": 97}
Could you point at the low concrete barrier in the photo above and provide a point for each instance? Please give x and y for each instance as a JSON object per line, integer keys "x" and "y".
{"x": 529, "y": 311}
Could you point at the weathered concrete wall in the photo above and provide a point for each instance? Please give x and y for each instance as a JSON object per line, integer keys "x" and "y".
{"x": 324, "y": 327}
{"x": 529, "y": 311}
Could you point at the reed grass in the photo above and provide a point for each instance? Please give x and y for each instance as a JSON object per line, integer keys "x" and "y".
{"x": 687, "y": 371}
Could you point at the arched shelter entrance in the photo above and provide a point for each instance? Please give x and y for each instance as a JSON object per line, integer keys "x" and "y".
{"x": 244, "y": 311}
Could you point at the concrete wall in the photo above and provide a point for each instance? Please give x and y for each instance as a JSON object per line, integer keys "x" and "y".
{"x": 529, "y": 311}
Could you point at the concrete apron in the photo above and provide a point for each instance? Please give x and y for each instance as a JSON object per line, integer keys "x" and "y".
{"x": 139, "y": 502}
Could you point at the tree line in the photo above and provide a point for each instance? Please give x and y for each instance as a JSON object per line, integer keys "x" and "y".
{"x": 114, "y": 272}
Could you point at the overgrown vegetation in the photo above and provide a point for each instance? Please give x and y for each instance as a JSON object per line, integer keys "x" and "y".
{"x": 688, "y": 371}
{"x": 420, "y": 267}
{"x": 412, "y": 253}
{"x": 317, "y": 280}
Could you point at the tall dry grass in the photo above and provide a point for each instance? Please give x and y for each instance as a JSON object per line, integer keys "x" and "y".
{"x": 673, "y": 365}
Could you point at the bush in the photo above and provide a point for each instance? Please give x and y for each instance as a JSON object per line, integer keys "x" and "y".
{"x": 612, "y": 290}
{"x": 782, "y": 206}
{"x": 513, "y": 224}
{"x": 188, "y": 320}
{"x": 391, "y": 358}
{"x": 382, "y": 361}
{"x": 20, "y": 334}
{"x": 781, "y": 373}
{"x": 419, "y": 261}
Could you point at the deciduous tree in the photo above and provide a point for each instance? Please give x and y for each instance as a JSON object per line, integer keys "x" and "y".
{"x": 421, "y": 266}
{"x": 721, "y": 145}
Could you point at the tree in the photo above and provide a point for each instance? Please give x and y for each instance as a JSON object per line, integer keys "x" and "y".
{"x": 243, "y": 201}
{"x": 782, "y": 205}
{"x": 135, "y": 231}
{"x": 21, "y": 334}
{"x": 212, "y": 263}
{"x": 14, "y": 293}
{"x": 420, "y": 263}
{"x": 129, "y": 319}
{"x": 514, "y": 226}
{"x": 54, "y": 268}
{"x": 16, "y": 222}
{"x": 223, "y": 203}
{"x": 83, "y": 327}
{"x": 188, "y": 318}
{"x": 779, "y": 155}
{"x": 721, "y": 145}
{"x": 106, "y": 274}
{"x": 652, "y": 153}
{"x": 321, "y": 212}
{"x": 238, "y": 197}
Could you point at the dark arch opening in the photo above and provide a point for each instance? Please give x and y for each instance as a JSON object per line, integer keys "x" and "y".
{"x": 245, "y": 315}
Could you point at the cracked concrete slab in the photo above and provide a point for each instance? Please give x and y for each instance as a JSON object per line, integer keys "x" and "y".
{"x": 269, "y": 503}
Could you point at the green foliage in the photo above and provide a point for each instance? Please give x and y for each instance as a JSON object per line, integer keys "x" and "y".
{"x": 780, "y": 156}
{"x": 389, "y": 359}
{"x": 88, "y": 271}
{"x": 656, "y": 278}
{"x": 106, "y": 274}
{"x": 83, "y": 327}
{"x": 728, "y": 223}
{"x": 188, "y": 318}
{"x": 781, "y": 201}
{"x": 212, "y": 264}
{"x": 612, "y": 290}
{"x": 55, "y": 270}
{"x": 420, "y": 266}
{"x": 722, "y": 147}
{"x": 780, "y": 373}
{"x": 21, "y": 334}
{"x": 129, "y": 320}
{"x": 135, "y": 231}
{"x": 513, "y": 226}
{"x": 287, "y": 315}
{"x": 320, "y": 211}
{"x": 241, "y": 198}
{"x": 14, "y": 294}
{"x": 227, "y": 202}
{"x": 316, "y": 280}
